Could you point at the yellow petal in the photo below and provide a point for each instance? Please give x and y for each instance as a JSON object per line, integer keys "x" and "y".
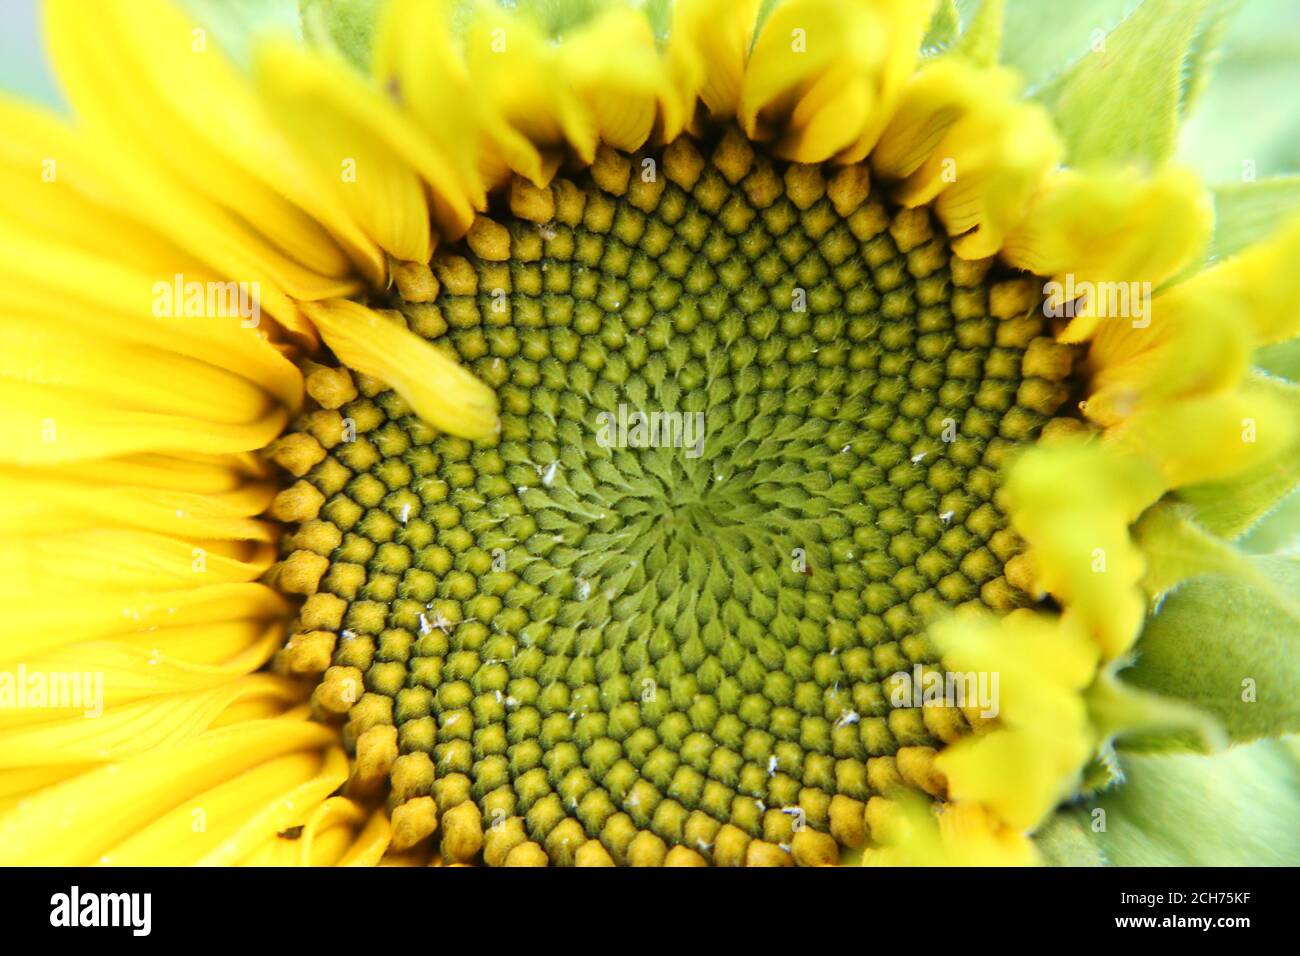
{"x": 102, "y": 560}
{"x": 708, "y": 46}
{"x": 824, "y": 75}
{"x": 1192, "y": 345}
{"x": 1210, "y": 437}
{"x": 167, "y": 661}
{"x": 143, "y": 171}
{"x": 1033, "y": 758}
{"x": 933, "y": 99}
{"x": 53, "y": 829}
{"x": 223, "y": 825}
{"x": 374, "y": 158}
{"x": 528, "y": 115}
{"x": 68, "y": 498}
{"x": 908, "y": 832}
{"x": 982, "y": 174}
{"x": 190, "y": 112}
{"x": 106, "y": 614}
{"x": 125, "y": 375}
{"x": 1110, "y": 228}
{"x": 441, "y": 391}
{"x": 337, "y": 832}
{"x": 101, "y": 734}
{"x": 1073, "y": 503}
{"x": 415, "y": 57}
{"x": 63, "y": 286}
{"x": 1261, "y": 279}
{"x": 613, "y": 65}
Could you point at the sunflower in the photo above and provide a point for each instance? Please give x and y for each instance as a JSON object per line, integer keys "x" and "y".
{"x": 611, "y": 433}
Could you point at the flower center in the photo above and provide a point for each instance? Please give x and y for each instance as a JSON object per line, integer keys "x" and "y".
{"x": 752, "y": 419}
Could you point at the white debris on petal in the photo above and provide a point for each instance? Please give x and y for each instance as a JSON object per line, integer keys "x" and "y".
{"x": 918, "y": 457}
{"x": 847, "y": 718}
{"x": 548, "y": 475}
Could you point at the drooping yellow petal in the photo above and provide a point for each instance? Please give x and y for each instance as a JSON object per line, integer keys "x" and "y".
{"x": 1261, "y": 280}
{"x": 1073, "y": 502}
{"x": 908, "y": 832}
{"x": 960, "y": 141}
{"x": 1189, "y": 344}
{"x": 441, "y": 391}
{"x": 1209, "y": 437}
{"x": 1032, "y": 759}
{"x": 1091, "y": 229}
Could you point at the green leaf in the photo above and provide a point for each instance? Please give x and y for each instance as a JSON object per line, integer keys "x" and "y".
{"x": 234, "y": 23}
{"x": 346, "y": 25}
{"x": 1236, "y": 808}
{"x": 1042, "y": 38}
{"x": 983, "y": 37}
{"x": 1176, "y": 549}
{"x": 1281, "y": 359}
{"x": 1205, "y": 49}
{"x": 1137, "y": 719}
{"x": 1065, "y": 841}
{"x": 1246, "y": 213}
{"x": 1279, "y": 531}
{"x": 1230, "y": 508}
{"x": 944, "y": 27}
{"x": 1229, "y": 649}
{"x": 1233, "y": 133}
{"x": 1120, "y": 104}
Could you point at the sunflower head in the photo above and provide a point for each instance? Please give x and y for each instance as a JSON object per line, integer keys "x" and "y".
{"x": 670, "y": 434}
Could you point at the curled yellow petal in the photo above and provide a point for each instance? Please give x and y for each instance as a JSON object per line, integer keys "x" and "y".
{"x": 824, "y": 75}
{"x": 1073, "y": 502}
{"x": 1032, "y": 759}
{"x": 1087, "y": 229}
